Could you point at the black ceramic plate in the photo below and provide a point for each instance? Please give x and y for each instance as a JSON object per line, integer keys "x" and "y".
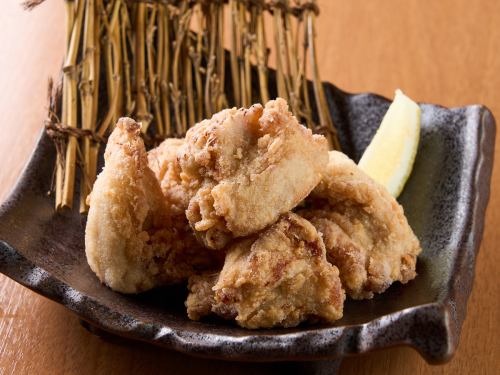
{"x": 445, "y": 201}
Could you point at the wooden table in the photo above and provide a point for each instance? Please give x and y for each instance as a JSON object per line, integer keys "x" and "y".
{"x": 438, "y": 51}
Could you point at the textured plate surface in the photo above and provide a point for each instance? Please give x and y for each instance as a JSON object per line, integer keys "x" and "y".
{"x": 445, "y": 201}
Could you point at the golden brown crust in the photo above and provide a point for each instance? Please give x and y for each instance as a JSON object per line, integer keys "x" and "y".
{"x": 164, "y": 163}
{"x": 365, "y": 231}
{"x": 132, "y": 242}
{"x": 201, "y": 296}
{"x": 278, "y": 278}
{"x": 243, "y": 168}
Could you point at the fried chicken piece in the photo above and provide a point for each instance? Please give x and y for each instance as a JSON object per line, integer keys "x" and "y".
{"x": 364, "y": 229}
{"x": 131, "y": 241}
{"x": 279, "y": 277}
{"x": 163, "y": 162}
{"x": 201, "y": 296}
{"x": 243, "y": 168}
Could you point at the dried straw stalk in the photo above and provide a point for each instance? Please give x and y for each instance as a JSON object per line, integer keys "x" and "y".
{"x": 88, "y": 97}
{"x": 70, "y": 101}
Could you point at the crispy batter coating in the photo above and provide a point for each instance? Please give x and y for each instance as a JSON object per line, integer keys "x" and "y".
{"x": 243, "y": 168}
{"x": 201, "y": 296}
{"x": 364, "y": 229}
{"x": 163, "y": 162}
{"x": 279, "y": 277}
{"x": 131, "y": 241}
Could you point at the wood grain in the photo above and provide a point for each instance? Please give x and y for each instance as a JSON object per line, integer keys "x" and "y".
{"x": 443, "y": 52}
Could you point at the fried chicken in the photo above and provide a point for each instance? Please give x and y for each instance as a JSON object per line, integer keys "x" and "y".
{"x": 279, "y": 277}
{"x": 244, "y": 168}
{"x": 163, "y": 162}
{"x": 201, "y": 296}
{"x": 132, "y": 242}
{"x": 364, "y": 229}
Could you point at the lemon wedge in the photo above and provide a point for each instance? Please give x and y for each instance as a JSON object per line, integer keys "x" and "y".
{"x": 389, "y": 157}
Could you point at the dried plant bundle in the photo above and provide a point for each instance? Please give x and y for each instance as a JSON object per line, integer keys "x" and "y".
{"x": 164, "y": 63}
